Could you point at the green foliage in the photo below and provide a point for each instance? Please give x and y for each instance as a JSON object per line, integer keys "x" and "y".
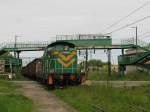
{"x": 137, "y": 76}
{"x": 92, "y": 63}
{"x": 11, "y": 100}
{"x": 102, "y": 75}
{"x": 6, "y": 55}
{"x": 109, "y": 99}
{"x": 95, "y": 62}
{"x": 19, "y": 76}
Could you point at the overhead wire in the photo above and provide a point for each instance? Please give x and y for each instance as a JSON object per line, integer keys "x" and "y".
{"x": 123, "y": 18}
{"x": 137, "y": 21}
{"x": 143, "y": 35}
{"x": 146, "y": 36}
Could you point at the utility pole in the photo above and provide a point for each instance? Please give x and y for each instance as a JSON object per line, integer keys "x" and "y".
{"x": 15, "y": 45}
{"x": 109, "y": 60}
{"x": 136, "y": 37}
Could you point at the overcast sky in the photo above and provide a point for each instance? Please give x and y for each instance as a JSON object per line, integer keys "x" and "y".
{"x": 43, "y": 19}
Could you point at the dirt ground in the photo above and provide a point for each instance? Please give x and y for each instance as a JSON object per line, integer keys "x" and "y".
{"x": 44, "y": 100}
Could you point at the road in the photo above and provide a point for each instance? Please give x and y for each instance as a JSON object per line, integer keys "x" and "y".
{"x": 43, "y": 99}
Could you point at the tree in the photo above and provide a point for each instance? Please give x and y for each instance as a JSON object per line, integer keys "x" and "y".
{"x": 95, "y": 64}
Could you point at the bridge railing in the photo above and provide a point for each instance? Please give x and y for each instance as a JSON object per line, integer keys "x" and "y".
{"x": 80, "y": 37}
{"x": 133, "y": 41}
{"x": 37, "y": 44}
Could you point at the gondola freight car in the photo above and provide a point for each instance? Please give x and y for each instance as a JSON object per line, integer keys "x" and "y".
{"x": 33, "y": 68}
{"x": 58, "y": 66}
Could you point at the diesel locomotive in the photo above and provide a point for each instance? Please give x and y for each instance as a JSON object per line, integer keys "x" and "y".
{"x": 57, "y": 66}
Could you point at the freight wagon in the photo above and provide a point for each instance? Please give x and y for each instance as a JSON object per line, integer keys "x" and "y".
{"x": 33, "y": 68}
{"x": 58, "y": 66}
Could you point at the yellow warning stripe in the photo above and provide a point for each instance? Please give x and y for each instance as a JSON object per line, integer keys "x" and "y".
{"x": 66, "y": 64}
{"x": 66, "y": 58}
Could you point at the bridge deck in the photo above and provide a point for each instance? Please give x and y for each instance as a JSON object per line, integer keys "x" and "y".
{"x": 106, "y": 47}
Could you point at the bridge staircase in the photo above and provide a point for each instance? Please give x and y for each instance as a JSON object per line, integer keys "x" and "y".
{"x": 139, "y": 57}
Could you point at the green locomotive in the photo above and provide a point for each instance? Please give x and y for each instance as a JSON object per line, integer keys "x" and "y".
{"x": 59, "y": 66}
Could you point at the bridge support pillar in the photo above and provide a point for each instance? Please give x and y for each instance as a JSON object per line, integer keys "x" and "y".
{"x": 18, "y": 52}
{"x": 122, "y": 68}
{"x": 86, "y": 62}
{"x": 15, "y": 54}
{"x": 122, "y": 51}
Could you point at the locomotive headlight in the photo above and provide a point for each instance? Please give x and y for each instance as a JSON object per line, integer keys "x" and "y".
{"x": 66, "y": 48}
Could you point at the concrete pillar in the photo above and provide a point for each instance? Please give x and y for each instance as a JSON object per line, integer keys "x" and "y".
{"x": 86, "y": 62}
{"x": 18, "y": 52}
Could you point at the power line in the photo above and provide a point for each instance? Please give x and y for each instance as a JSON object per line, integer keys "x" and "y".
{"x": 118, "y": 29}
{"x": 134, "y": 11}
{"x": 144, "y": 34}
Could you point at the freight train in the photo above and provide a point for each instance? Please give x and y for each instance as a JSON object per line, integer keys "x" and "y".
{"x": 58, "y": 66}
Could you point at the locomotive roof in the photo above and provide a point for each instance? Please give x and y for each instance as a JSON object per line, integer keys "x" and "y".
{"x": 61, "y": 43}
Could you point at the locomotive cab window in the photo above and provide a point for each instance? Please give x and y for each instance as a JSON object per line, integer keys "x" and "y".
{"x": 49, "y": 49}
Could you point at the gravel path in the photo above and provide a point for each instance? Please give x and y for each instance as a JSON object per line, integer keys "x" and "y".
{"x": 44, "y": 100}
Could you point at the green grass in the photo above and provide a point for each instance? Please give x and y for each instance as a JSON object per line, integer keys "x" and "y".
{"x": 137, "y": 76}
{"x": 11, "y": 100}
{"x": 7, "y": 87}
{"x": 20, "y": 77}
{"x": 109, "y": 99}
{"x": 103, "y": 75}
{"x": 15, "y": 103}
